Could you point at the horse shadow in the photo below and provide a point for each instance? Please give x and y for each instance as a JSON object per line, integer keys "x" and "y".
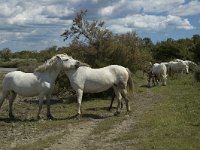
{"x": 84, "y": 116}
{"x": 13, "y": 120}
{"x": 52, "y": 101}
{"x": 102, "y": 108}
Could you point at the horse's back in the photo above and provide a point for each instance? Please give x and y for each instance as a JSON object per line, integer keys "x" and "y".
{"x": 94, "y": 80}
{"x": 20, "y": 82}
{"x": 19, "y": 76}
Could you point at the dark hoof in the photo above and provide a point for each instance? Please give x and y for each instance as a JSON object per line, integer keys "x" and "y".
{"x": 78, "y": 117}
{"x": 50, "y": 117}
{"x": 116, "y": 113}
{"x": 128, "y": 111}
{"x": 11, "y": 116}
{"x": 38, "y": 117}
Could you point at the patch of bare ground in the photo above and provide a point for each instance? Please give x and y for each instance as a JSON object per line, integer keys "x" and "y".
{"x": 74, "y": 139}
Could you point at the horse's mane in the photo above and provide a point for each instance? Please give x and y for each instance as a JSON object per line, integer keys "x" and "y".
{"x": 84, "y": 64}
{"x": 47, "y": 65}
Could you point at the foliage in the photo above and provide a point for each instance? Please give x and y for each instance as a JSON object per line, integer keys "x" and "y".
{"x": 197, "y": 74}
{"x": 101, "y": 47}
{"x": 5, "y": 54}
{"x": 182, "y": 49}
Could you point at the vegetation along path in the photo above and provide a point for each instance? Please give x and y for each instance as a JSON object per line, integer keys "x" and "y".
{"x": 162, "y": 117}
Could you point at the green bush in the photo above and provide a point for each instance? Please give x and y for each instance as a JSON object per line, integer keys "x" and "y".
{"x": 197, "y": 74}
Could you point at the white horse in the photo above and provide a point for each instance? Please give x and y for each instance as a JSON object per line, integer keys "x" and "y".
{"x": 177, "y": 67}
{"x": 88, "y": 80}
{"x": 40, "y": 83}
{"x": 160, "y": 72}
{"x": 191, "y": 65}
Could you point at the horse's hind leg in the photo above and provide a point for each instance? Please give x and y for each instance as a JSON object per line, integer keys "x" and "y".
{"x": 119, "y": 98}
{"x": 5, "y": 94}
{"x": 124, "y": 95}
{"x": 11, "y": 100}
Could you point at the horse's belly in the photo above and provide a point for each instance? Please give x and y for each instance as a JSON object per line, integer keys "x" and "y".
{"x": 96, "y": 88}
{"x": 27, "y": 92}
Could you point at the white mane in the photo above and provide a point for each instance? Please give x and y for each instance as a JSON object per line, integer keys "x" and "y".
{"x": 47, "y": 65}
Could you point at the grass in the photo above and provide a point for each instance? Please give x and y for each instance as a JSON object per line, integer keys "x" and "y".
{"x": 171, "y": 123}
{"x": 174, "y": 122}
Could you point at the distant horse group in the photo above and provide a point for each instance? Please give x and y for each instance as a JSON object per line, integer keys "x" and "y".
{"x": 158, "y": 72}
{"x": 83, "y": 79}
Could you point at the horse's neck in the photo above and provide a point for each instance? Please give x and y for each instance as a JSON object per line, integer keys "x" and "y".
{"x": 49, "y": 75}
{"x": 70, "y": 73}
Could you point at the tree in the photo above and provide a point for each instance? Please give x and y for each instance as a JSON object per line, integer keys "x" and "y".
{"x": 91, "y": 36}
{"x": 6, "y": 54}
{"x": 167, "y": 50}
{"x": 91, "y": 31}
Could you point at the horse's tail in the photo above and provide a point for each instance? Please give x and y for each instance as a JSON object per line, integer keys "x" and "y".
{"x": 4, "y": 95}
{"x": 1, "y": 101}
{"x": 130, "y": 83}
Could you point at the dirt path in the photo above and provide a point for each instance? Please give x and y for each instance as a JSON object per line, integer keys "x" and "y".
{"x": 80, "y": 137}
{"x": 73, "y": 140}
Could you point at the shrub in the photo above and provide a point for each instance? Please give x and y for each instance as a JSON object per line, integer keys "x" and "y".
{"x": 197, "y": 74}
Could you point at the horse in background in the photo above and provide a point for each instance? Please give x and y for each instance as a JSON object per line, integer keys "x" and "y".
{"x": 39, "y": 83}
{"x": 175, "y": 67}
{"x": 191, "y": 65}
{"x": 158, "y": 74}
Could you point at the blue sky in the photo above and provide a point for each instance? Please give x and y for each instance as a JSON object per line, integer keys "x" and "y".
{"x": 37, "y": 24}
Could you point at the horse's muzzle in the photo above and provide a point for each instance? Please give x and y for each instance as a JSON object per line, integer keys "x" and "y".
{"x": 77, "y": 65}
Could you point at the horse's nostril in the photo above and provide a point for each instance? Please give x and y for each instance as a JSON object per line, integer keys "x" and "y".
{"x": 77, "y": 64}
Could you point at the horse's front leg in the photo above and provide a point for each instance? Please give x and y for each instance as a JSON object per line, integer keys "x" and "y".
{"x": 79, "y": 93}
{"x": 49, "y": 115}
{"x": 40, "y": 106}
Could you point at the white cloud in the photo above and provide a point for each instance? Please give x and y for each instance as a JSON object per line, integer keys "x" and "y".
{"x": 119, "y": 28}
{"x": 191, "y": 8}
{"x": 106, "y": 11}
{"x": 9, "y": 9}
{"x": 157, "y": 6}
{"x": 151, "y": 22}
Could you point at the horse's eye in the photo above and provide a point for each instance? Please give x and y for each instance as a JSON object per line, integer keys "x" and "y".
{"x": 66, "y": 59}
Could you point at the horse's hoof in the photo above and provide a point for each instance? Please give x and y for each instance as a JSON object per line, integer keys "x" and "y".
{"x": 78, "y": 117}
{"x": 11, "y": 116}
{"x": 128, "y": 111}
{"x": 38, "y": 117}
{"x": 116, "y": 113}
{"x": 50, "y": 117}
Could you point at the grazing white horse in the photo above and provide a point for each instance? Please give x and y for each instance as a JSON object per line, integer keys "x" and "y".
{"x": 177, "y": 67}
{"x": 191, "y": 65}
{"x": 40, "y": 83}
{"x": 158, "y": 73}
{"x": 88, "y": 80}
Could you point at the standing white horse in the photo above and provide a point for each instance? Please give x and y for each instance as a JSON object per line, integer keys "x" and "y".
{"x": 88, "y": 80}
{"x": 40, "y": 83}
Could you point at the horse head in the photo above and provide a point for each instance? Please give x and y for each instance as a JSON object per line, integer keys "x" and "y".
{"x": 67, "y": 62}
